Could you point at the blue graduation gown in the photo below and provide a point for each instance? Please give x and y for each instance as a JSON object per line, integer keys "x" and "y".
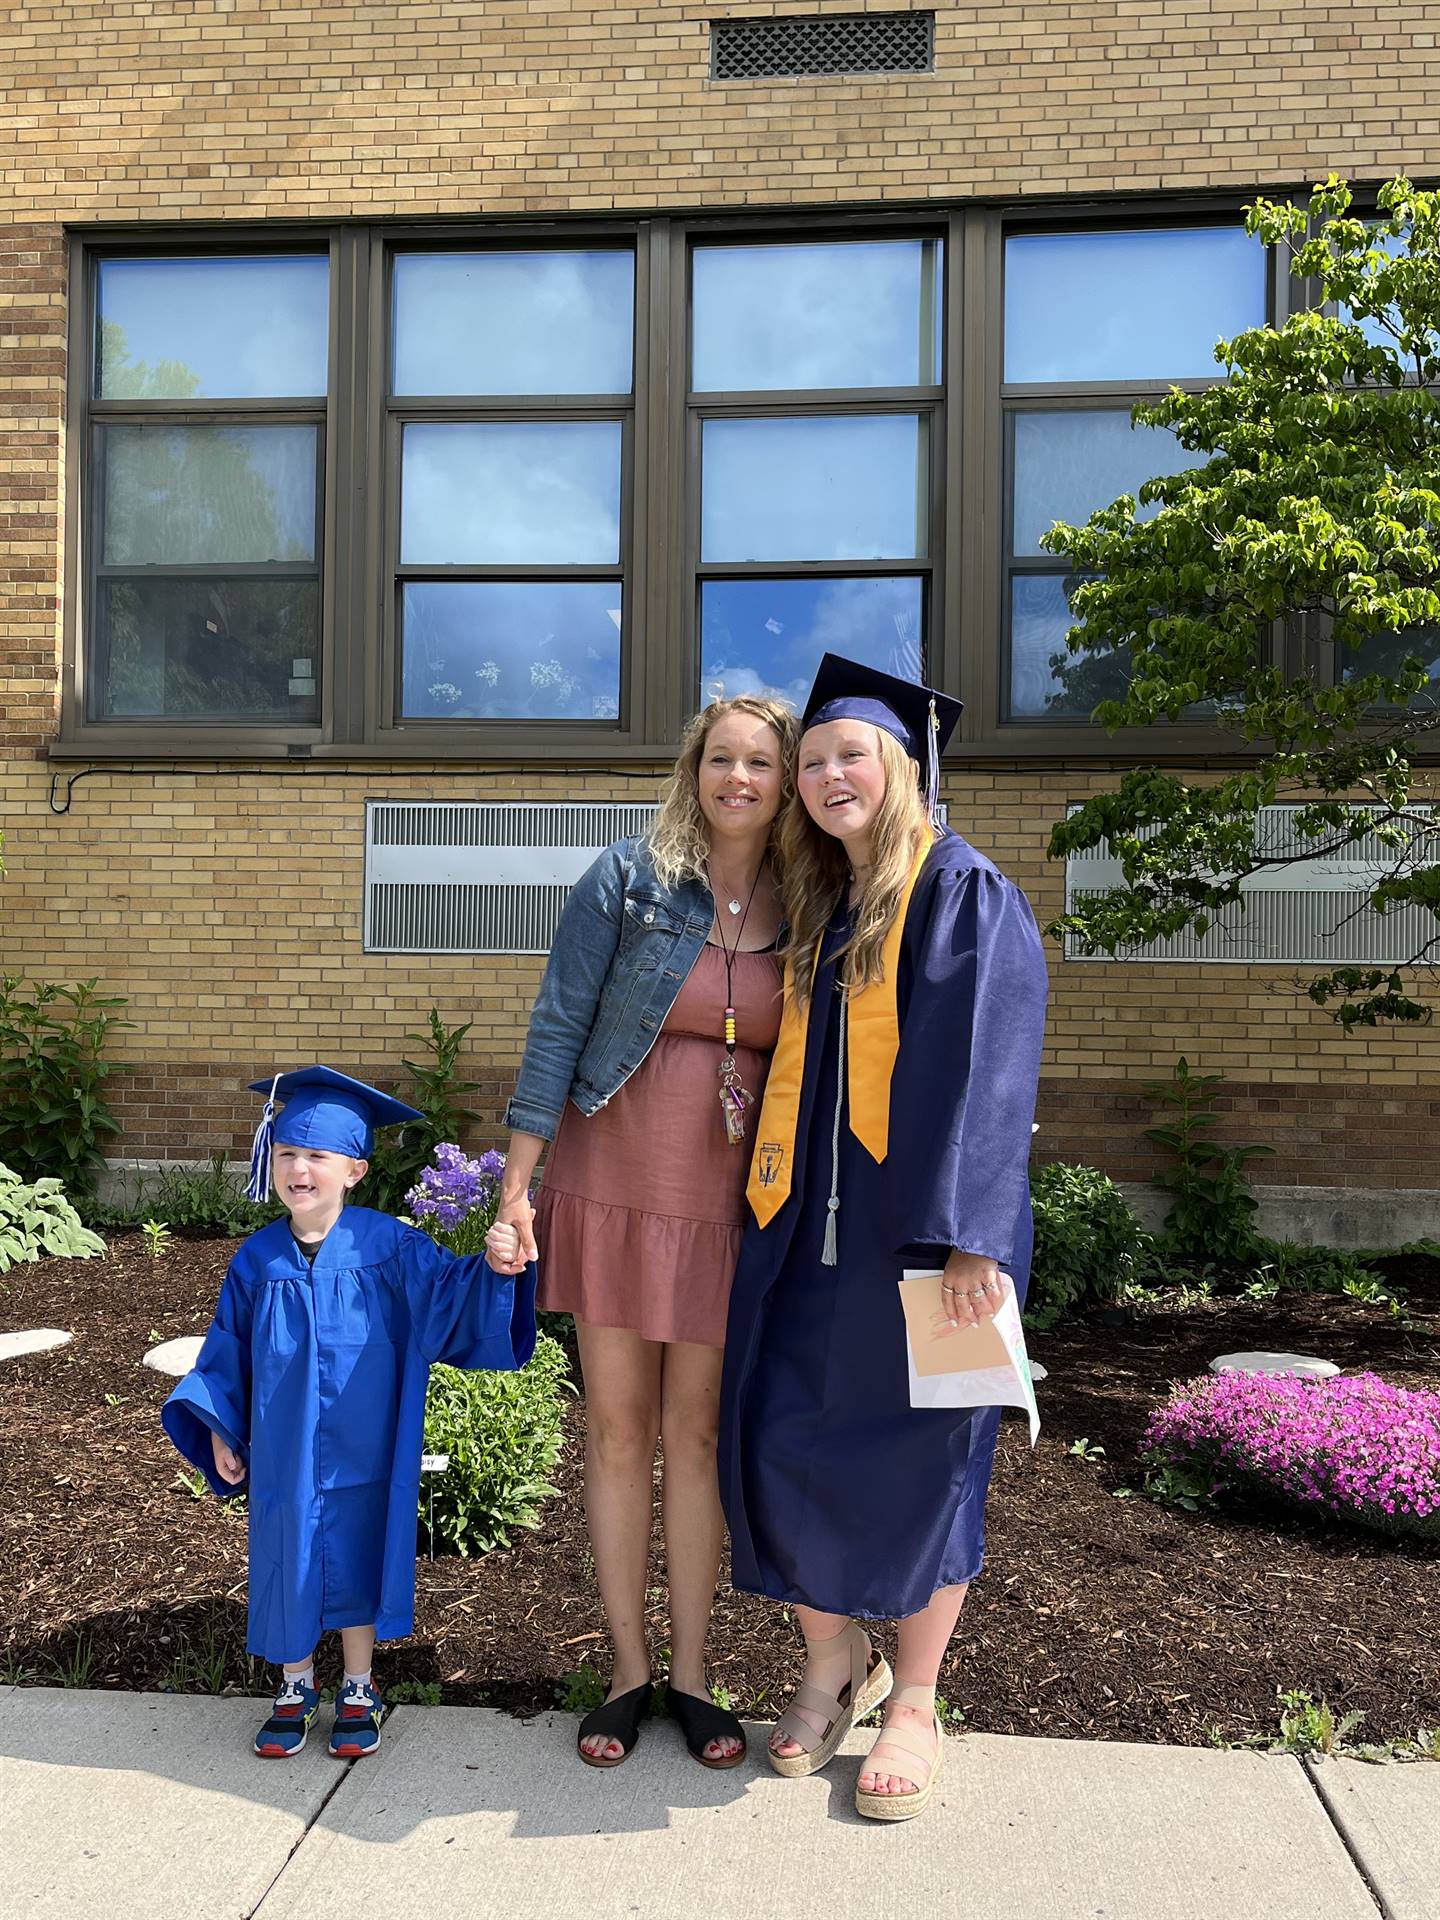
{"x": 839, "y": 1494}
{"x": 316, "y": 1376}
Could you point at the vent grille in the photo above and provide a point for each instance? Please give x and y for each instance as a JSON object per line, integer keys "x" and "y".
{"x": 1310, "y": 915}
{"x": 471, "y": 877}
{"x": 822, "y": 44}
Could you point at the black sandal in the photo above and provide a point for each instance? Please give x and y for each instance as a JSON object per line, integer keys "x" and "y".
{"x": 701, "y": 1721}
{"x": 619, "y": 1719}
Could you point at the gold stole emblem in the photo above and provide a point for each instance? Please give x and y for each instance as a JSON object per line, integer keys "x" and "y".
{"x": 874, "y": 1042}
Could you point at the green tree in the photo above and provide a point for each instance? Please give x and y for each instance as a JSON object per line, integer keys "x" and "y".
{"x": 1313, "y": 504}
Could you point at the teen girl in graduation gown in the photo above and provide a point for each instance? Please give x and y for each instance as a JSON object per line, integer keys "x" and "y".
{"x": 895, "y": 1133}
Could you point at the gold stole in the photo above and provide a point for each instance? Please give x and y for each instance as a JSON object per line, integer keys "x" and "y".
{"x": 874, "y": 1041}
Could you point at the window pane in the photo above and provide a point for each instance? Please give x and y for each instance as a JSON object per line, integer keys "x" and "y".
{"x": 511, "y": 649}
{"x": 1045, "y": 680}
{"x": 863, "y": 313}
{"x": 1128, "y": 306}
{"x": 1068, "y": 464}
{"x": 214, "y": 329}
{"x": 767, "y": 636}
{"x": 229, "y": 649}
{"x": 524, "y": 493}
{"x": 191, "y": 496}
{"x": 1387, "y": 652}
{"x": 553, "y": 322}
{"x": 824, "y": 488}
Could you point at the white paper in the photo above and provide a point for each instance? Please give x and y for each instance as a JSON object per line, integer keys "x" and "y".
{"x": 1009, "y": 1386}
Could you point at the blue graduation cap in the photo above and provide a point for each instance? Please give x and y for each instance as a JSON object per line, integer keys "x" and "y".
{"x": 921, "y": 719}
{"x": 323, "y": 1109}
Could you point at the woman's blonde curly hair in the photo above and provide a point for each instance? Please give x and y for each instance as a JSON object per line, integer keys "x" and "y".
{"x": 679, "y": 840}
{"x": 817, "y": 871}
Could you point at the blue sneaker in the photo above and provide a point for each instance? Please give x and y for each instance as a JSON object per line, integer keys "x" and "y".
{"x": 288, "y": 1727}
{"x": 359, "y": 1712}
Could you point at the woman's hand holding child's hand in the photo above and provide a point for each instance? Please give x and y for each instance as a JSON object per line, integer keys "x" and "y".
{"x": 503, "y": 1249}
{"x": 228, "y": 1464}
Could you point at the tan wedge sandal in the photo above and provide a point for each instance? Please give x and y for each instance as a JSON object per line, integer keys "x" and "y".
{"x": 908, "y": 1747}
{"x": 869, "y": 1683}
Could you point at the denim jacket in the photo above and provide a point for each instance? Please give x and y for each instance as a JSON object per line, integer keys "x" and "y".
{"x": 622, "y": 951}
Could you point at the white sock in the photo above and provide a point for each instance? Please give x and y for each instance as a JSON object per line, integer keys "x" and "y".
{"x": 301, "y": 1676}
{"x": 358, "y": 1679}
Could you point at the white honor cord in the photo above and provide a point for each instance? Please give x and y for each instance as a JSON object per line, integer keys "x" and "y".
{"x": 829, "y": 1252}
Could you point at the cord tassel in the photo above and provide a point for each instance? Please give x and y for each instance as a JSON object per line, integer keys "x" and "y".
{"x": 932, "y": 764}
{"x": 830, "y": 1245}
{"x": 257, "y": 1187}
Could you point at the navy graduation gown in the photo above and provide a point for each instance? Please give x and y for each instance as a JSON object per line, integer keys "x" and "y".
{"x": 316, "y": 1376}
{"x": 839, "y": 1494}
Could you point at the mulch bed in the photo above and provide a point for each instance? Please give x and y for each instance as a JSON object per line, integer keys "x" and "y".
{"x": 1096, "y": 1617}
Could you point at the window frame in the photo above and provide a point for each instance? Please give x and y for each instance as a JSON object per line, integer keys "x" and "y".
{"x": 701, "y": 405}
{"x": 401, "y": 410}
{"x": 965, "y": 608}
{"x": 1067, "y": 737}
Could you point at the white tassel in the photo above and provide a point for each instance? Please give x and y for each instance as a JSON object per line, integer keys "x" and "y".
{"x": 829, "y": 1246}
{"x": 932, "y": 765}
{"x": 257, "y": 1187}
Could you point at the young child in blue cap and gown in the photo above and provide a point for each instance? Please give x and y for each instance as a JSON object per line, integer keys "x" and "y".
{"x": 309, "y": 1396}
{"x": 895, "y": 1134}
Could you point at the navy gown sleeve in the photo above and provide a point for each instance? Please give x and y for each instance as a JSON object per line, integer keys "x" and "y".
{"x": 963, "y": 1091}
{"x": 214, "y": 1397}
{"x": 463, "y": 1313}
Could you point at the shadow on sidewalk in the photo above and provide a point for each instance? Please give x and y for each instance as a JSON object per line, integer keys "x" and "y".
{"x": 436, "y": 1763}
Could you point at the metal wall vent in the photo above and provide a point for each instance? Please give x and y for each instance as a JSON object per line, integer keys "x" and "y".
{"x": 1293, "y": 916}
{"x": 820, "y": 44}
{"x": 471, "y": 877}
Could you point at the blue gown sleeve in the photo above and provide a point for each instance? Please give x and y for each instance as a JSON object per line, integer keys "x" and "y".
{"x": 214, "y": 1397}
{"x": 963, "y": 1093}
{"x": 463, "y": 1313}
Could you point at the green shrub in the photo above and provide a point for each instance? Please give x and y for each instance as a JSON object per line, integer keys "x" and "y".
{"x": 201, "y": 1200}
{"x": 37, "y": 1218}
{"x": 1212, "y": 1212}
{"x": 436, "y": 1091}
{"x": 503, "y": 1433}
{"x": 53, "y": 1111}
{"x": 1088, "y": 1245}
{"x": 1291, "y": 1268}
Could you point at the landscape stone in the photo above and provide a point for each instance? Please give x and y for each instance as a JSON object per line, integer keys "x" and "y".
{"x": 1301, "y": 1366}
{"x": 175, "y": 1356}
{"x": 13, "y": 1346}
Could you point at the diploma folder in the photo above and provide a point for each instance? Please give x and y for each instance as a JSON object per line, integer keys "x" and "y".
{"x": 981, "y": 1366}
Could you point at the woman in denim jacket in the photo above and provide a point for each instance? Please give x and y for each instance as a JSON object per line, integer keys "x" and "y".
{"x": 630, "y": 1072}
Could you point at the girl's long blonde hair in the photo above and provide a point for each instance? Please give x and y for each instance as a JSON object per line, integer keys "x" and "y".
{"x": 816, "y": 873}
{"x": 679, "y": 839}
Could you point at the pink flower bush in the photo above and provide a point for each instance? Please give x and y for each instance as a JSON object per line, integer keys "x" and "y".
{"x": 1355, "y": 1446}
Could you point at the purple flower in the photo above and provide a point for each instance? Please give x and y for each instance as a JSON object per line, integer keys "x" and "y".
{"x": 1348, "y": 1445}
{"x": 454, "y": 1190}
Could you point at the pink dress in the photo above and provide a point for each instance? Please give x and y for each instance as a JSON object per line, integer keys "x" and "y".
{"x": 642, "y": 1206}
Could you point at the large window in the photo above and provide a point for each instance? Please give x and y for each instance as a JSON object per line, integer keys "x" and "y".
{"x": 1091, "y": 320}
{"x": 533, "y": 492}
{"x": 816, "y": 376}
{"x": 512, "y": 376}
{"x": 207, "y": 461}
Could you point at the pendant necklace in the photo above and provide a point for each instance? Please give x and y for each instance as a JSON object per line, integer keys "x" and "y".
{"x": 734, "y": 1096}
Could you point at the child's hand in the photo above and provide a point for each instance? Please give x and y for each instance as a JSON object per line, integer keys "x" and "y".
{"x": 228, "y": 1464}
{"x": 502, "y": 1249}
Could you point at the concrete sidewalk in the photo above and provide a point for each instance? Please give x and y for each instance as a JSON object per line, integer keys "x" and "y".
{"x": 150, "y": 1807}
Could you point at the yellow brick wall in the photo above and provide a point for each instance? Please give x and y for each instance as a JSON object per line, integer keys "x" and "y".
{"x": 225, "y": 903}
{"x": 139, "y": 109}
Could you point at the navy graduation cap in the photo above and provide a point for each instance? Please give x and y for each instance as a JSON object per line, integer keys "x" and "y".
{"x": 921, "y": 719}
{"x": 323, "y": 1109}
